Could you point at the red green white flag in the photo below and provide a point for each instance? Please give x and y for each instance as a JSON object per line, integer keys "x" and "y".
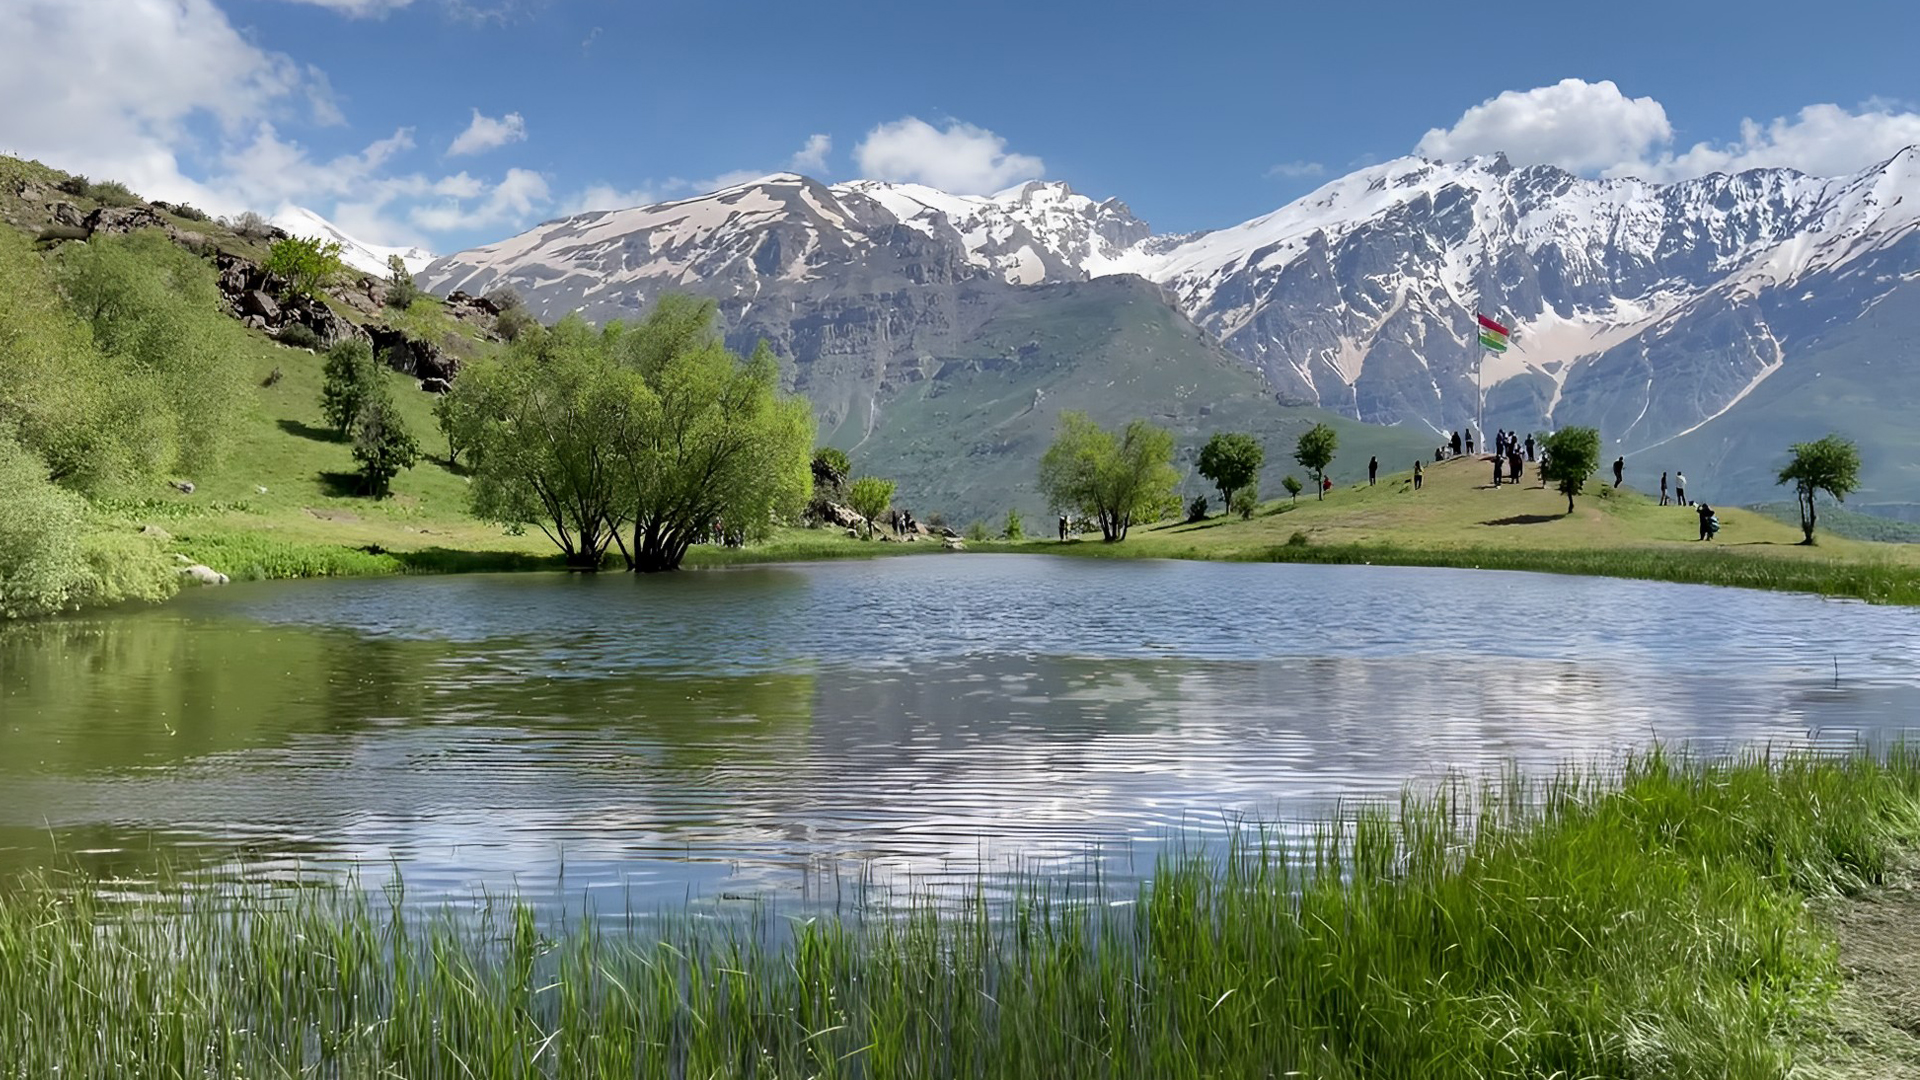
{"x": 1493, "y": 335}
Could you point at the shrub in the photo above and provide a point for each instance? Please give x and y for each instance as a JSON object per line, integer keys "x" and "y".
{"x": 1246, "y": 500}
{"x": 514, "y": 322}
{"x": 351, "y": 380}
{"x": 190, "y": 213}
{"x": 1013, "y": 526}
{"x": 74, "y": 185}
{"x": 300, "y": 336}
{"x": 977, "y": 531}
{"x": 308, "y": 264}
{"x": 506, "y": 299}
{"x": 251, "y": 226}
{"x": 111, "y": 193}
{"x": 382, "y": 444}
{"x": 1197, "y": 509}
{"x": 40, "y": 527}
{"x": 1297, "y": 540}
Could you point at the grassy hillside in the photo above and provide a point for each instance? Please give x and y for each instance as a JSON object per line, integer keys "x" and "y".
{"x": 1460, "y": 519}
{"x": 967, "y": 440}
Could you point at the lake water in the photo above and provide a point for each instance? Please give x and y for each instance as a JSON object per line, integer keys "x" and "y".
{"x": 797, "y": 732}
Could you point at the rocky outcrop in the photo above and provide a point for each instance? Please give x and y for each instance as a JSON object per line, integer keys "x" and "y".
{"x": 421, "y": 359}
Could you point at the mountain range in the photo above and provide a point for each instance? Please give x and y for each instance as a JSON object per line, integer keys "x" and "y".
{"x": 1700, "y": 325}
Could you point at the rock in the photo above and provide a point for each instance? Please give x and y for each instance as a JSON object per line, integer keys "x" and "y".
{"x": 184, "y": 487}
{"x": 253, "y": 322}
{"x": 954, "y": 543}
{"x": 435, "y": 386}
{"x": 182, "y": 559}
{"x": 479, "y": 304}
{"x": 258, "y": 490}
{"x": 421, "y": 359}
{"x": 65, "y": 213}
{"x": 156, "y": 532}
{"x": 256, "y": 302}
{"x": 124, "y": 219}
{"x": 205, "y": 575}
{"x": 853, "y": 534}
{"x": 843, "y": 515}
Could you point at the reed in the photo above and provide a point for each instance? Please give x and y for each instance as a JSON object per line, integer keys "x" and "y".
{"x": 1648, "y": 921}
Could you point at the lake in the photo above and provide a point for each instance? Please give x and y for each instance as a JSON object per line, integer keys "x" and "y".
{"x": 810, "y": 732}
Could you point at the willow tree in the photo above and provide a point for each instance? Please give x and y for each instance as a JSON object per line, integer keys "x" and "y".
{"x": 1114, "y": 479}
{"x": 721, "y": 448}
{"x": 546, "y": 428}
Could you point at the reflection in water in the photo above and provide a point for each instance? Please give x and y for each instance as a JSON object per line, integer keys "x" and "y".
{"x": 788, "y": 730}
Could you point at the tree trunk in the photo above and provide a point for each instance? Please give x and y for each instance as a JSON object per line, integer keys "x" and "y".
{"x": 1807, "y": 517}
{"x": 580, "y": 560}
{"x": 1569, "y": 502}
{"x": 1319, "y": 484}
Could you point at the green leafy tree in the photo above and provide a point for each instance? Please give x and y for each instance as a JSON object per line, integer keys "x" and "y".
{"x": 1114, "y": 479}
{"x": 723, "y": 444}
{"x": 1015, "y": 528}
{"x": 40, "y": 525}
{"x": 1246, "y": 501}
{"x": 1830, "y": 464}
{"x": 349, "y": 379}
{"x": 870, "y": 496}
{"x": 382, "y": 444}
{"x": 1314, "y": 452}
{"x": 1197, "y": 509}
{"x": 1231, "y": 460}
{"x": 1571, "y": 456}
{"x": 307, "y": 264}
{"x": 401, "y": 290}
{"x": 448, "y": 423}
{"x": 172, "y": 380}
{"x": 1293, "y": 487}
{"x": 545, "y": 427}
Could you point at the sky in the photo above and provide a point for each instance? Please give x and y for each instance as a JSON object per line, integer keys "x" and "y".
{"x": 452, "y": 123}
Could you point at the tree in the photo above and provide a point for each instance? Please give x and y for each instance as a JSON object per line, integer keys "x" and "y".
{"x": 1115, "y": 480}
{"x": 1246, "y": 501}
{"x": 1197, "y": 509}
{"x": 1830, "y": 464}
{"x": 1571, "y": 456}
{"x": 545, "y": 428}
{"x": 723, "y": 443}
{"x": 1314, "y": 452}
{"x": 1293, "y": 487}
{"x": 350, "y": 379}
{"x": 443, "y": 416}
{"x": 1232, "y": 461}
{"x": 308, "y": 264}
{"x": 870, "y": 497}
{"x": 401, "y": 290}
{"x": 382, "y": 444}
{"x": 1015, "y": 530}
{"x": 171, "y": 378}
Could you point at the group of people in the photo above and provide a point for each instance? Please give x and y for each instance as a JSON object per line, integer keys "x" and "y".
{"x": 902, "y": 522}
{"x": 1508, "y": 453}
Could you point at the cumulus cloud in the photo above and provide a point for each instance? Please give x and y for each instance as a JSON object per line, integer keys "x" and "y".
{"x": 1593, "y": 128}
{"x": 515, "y": 198}
{"x": 812, "y": 158}
{"x": 1297, "y": 170}
{"x": 357, "y": 8}
{"x": 1575, "y": 124}
{"x": 1824, "y": 140}
{"x": 962, "y": 158}
{"x": 486, "y": 133}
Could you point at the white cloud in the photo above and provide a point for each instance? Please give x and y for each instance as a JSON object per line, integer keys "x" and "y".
{"x": 510, "y": 202}
{"x": 1593, "y": 128}
{"x": 812, "y": 158}
{"x": 1824, "y": 140}
{"x": 962, "y": 159}
{"x": 486, "y": 133}
{"x": 1295, "y": 170}
{"x": 1575, "y": 124}
{"x": 607, "y": 197}
{"x": 357, "y": 8}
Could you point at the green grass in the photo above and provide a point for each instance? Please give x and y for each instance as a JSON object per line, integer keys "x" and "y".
{"x": 1653, "y": 922}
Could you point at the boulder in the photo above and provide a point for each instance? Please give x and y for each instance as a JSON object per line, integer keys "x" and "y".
{"x": 124, "y": 219}
{"x": 844, "y": 515}
{"x": 257, "y": 302}
{"x": 420, "y": 359}
{"x": 435, "y": 386}
{"x": 156, "y": 532}
{"x": 205, "y": 575}
{"x": 184, "y": 487}
{"x": 954, "y": 543}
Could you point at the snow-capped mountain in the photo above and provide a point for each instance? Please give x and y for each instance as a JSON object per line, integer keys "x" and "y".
{"x": 1649, "y": 310}
{"x": 364, "y": 257}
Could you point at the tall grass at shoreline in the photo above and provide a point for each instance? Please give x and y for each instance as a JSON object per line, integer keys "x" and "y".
{"x": 1649, "y": 923}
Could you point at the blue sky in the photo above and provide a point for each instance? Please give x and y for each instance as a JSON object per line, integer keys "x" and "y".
{"x": 454, "y": 122}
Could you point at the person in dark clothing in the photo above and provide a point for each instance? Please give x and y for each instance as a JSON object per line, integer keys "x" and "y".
{"x": 1513, "y": 461}
{"x": 1663, "y": 489}
{"x": 1469, "y": 440}
{"x": 1416, "y": 476}
{"x": 1499, "y": 467}
{"x": 1708, "y": 523}
{"x": 1063, "y": 527}
{"x": 1456, "y": 444}
{"x": 1529, "y": 448}
{"x": 1373, "y": 470}
{"x": 1619, "y": 470}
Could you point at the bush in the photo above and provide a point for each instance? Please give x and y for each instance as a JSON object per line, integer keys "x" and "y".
{"x": 1197, "y": 509}
{"x": 40, "y": 527}
{"x": 190, "y": 213}
{"x": 977, "y": 531}
{"x": 505, "y": 299}
{"x": 1297, "y": 540}
{"x": 308, "y": 264}
{"x": 351, "y": 380}
{"x": 1013, "y": 526}
{"x": 74, "y": 185}
{"x": 111, "y": 193}
{"x": 250, "y": 225}
{"x": 382, "y": 444}
{"x": 300, "y": 336}
{"x": 512, "y": 323}
{"x": 1246, "y": 501}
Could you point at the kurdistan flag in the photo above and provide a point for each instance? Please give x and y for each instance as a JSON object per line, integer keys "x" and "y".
{"x": 1492, "y": 334}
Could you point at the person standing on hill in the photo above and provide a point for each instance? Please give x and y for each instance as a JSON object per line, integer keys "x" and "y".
{"x": 1529, "y": 447}
{"x": 1373, "y": 470}
{"x": 1456, "y": 444}
{"x": 1469, "y": 441}
{"x": 1619, "y": 470}
{"x": 1709, "y": 524}
{"x": 1499, "y": 467}
{"x": 1663, "y": 489}
{"x": 1513, "y": 460}
{"x": 1416, "y": 475}
{"x": 1679, "y": 488}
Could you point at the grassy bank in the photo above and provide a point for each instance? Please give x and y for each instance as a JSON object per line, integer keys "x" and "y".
{"x": 1655, "y": 923}
{"x": 1459, "y": 519}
